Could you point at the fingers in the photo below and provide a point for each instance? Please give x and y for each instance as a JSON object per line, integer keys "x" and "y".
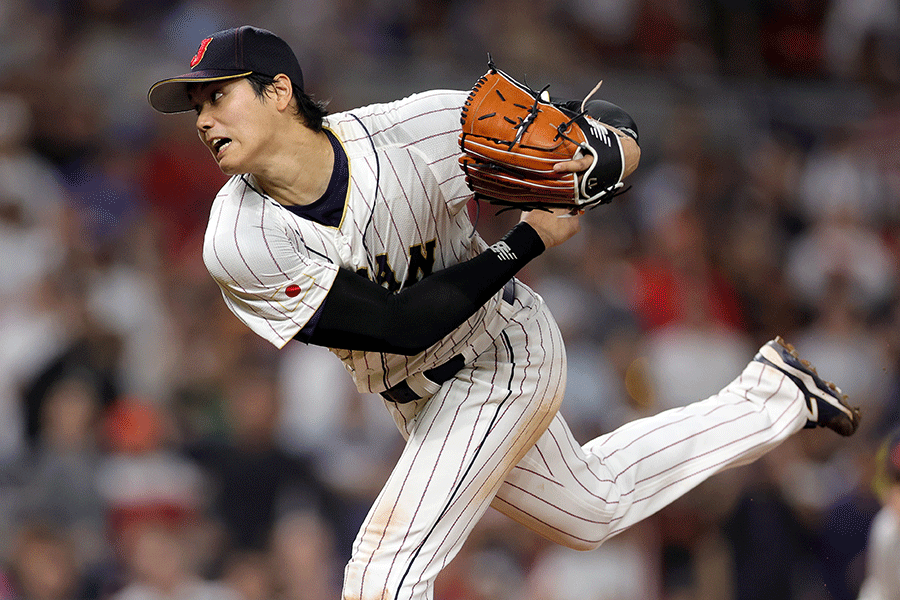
{"x": 573, "y": 166}
{"x": 630, "y": 150}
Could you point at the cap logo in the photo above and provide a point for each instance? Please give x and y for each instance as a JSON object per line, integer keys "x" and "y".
{"x": 200, "y": 52}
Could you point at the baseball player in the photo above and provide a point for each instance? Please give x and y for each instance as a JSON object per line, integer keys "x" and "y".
{"x": 882, "y": 581}
{"x": 349, "y": 231}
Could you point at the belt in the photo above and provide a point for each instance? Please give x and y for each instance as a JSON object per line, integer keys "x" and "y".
{"x": 509, "y": 291}
{"x": 426, "y": 383}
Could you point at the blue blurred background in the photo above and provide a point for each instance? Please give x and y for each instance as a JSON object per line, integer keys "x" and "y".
{"x": 151, "y": 447}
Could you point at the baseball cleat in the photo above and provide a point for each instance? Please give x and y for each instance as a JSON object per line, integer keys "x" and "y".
{"x": 826, "y": 403}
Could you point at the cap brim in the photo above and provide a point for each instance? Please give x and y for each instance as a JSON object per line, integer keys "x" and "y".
{"x": 171, "y": 95}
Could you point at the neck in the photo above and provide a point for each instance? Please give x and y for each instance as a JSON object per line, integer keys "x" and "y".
{"x": 299, "y": 173}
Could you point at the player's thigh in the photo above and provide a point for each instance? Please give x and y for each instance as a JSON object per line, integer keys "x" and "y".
{"x": 461, "y": 445}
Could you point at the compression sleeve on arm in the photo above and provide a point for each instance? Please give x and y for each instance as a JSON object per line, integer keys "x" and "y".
{"x": 359, "y": 314}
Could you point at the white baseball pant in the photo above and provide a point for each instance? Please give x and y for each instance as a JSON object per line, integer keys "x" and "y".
{"x": 493, "y": 436}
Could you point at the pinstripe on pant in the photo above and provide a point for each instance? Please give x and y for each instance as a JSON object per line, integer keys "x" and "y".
{"x": 493, "y": 436}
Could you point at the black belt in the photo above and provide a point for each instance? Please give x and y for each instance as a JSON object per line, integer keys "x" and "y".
{"x": 402, "y": 393}
{"x": 509, "y": 291}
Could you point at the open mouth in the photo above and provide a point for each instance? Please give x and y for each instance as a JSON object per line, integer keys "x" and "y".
{"x": 220, "y": 144}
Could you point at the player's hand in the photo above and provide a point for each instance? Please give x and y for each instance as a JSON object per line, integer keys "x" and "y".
{"x": 554, "y": 226}
{"x": 630, "y": 149}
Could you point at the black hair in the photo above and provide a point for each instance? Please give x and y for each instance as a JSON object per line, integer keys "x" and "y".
{"x": 311, "y": 112}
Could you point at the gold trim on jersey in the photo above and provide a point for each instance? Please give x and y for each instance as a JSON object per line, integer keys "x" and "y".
{"x": 349, "y": 177}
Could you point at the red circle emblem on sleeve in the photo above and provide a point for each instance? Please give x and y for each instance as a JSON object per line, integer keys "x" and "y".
{"x": 200, "y": 52}
{"x": 292, "y": 290}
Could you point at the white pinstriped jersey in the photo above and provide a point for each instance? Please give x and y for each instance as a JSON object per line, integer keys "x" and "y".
{"x": 275, "y": 267}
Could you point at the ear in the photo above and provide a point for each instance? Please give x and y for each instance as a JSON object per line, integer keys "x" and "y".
{"x": 283, "y": 90}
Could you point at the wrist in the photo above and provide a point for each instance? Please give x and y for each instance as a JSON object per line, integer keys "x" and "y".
{"x": 523, "y": 241}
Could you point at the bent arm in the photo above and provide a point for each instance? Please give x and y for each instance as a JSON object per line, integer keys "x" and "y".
{"x": 359, "y": 314}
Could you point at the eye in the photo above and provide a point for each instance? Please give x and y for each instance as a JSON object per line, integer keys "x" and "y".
{"x": 215, "y": 95}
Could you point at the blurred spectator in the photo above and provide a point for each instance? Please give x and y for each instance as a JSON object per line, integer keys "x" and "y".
{"x": 305, "y": 557}
{"x": 143, "y": 480}
{"x": 161, "y": 566}
{"x": 86, "y": 348}
{"x": 771, "y": 543}
{"x": 60, "y": 482}
{"x": 319, "y": 404}
{"x": 675, "y": 273}
{"x": 31, "y": 244}
{"x": 177, "y": 184}
{"x": 861, "y": 39}
{"x": 840, "y": 197}
{"x": 841, "y": 269}
{"x": 587, "y": 286}
{"x": 127, "y": 296}
{"x": 694, "y": 324}
{"x": 675, "y": 277}
{"x": 44, "y": 566}
{"x": 23, "y": 35}
{"x": 254, "y": 480}
{"x": 841, "y": 180}
{"x": 594, "y": 392}
{"x": 250, "y": 575}
{"x": 751, "y": 238}
{"x": 844, "y": 529}
{"x": 31, "y": 203}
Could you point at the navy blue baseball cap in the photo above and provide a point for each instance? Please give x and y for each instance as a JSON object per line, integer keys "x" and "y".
{"x": 228, "y": 54}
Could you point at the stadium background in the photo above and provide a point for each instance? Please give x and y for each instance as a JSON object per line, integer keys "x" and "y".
{"x": 151, "y": 447}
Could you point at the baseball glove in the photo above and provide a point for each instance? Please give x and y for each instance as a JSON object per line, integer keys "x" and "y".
{"x": 512, "y": 136}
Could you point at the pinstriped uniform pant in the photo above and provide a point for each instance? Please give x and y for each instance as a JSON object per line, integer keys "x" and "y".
{"x": 493, "y": 436}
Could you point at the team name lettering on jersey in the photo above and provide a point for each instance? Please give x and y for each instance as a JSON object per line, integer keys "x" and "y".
{"x": 421, "y": 264}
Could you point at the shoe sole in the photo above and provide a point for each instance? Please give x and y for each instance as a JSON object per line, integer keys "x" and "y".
{"x": 838, "y": 416}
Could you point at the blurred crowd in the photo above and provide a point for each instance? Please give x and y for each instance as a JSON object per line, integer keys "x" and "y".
{"x": 152, "y": 448}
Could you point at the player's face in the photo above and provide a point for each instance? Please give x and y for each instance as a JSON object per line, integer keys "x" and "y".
{"x": 234, "y": 123}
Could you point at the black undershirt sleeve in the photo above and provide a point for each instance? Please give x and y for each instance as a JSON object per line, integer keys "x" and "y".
{"x": 359, "y": 314}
